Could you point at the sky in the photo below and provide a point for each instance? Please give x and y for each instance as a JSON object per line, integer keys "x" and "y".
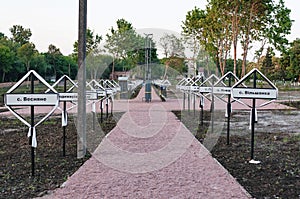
{"x": 56, "y": 21}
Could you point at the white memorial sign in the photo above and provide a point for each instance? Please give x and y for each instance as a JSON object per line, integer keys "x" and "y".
{"x": 222, "y": 90}
{"x": 91, "y": 95}
{"x": 68, "y": 97}
{"x": 31, "y": 99}
{"x": 254, "y": 93}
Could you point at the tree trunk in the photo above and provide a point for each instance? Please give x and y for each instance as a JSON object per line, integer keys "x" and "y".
{"x": 113, "y": 68}
{"x": 235, "y": 32}
{"x": 247, "y": 41}
{"x": 3, "y": 76}
{"x": 234, "y": 57}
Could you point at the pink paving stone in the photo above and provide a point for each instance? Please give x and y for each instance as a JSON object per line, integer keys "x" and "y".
{"x": 165, "y": 162}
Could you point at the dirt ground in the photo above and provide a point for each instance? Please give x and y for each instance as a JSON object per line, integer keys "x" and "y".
{"x": 278, "y": 174}
{"x": 52, "y": 168}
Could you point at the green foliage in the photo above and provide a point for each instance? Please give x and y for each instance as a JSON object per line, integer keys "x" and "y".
{"x": 293, "y": 70}
{"x": 20, "y": 34}
{"x": 127, "y": 47}
{"x": 6, "y": 60}
{"x": 26, "y": 53}
{"x": 96, "y": 64}
{"x": 92, "y": 43}
{"x": 177, "y": 63}
{"x": 224, "y": 23}
{"x": 267, "y": 64}
{"x": 172, "y": 46}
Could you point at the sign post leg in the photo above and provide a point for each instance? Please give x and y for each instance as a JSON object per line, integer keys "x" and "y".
{"x": 253, "y": 118}
{"x": 64, "y": 127}
{"x": 228, "y": 118}
{"x": 31, "y": 129}
{"x": 194, "y": 104}
{"x": 252, "y": 129}
{"x": 101, "y": 110}
{"x": 111, "y": 107}
{"x": 183, "y": 100}
{"x": 201, "y": 110}
{"x": 106, "y": 105}
{"x": 31, "y": 141}
{"x": 228, "y": 113}
{"x": 189, "y": 101}
{"x": 94, "y": 120}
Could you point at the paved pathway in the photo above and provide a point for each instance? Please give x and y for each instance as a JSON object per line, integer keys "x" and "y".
{"x": 150, "y": 154}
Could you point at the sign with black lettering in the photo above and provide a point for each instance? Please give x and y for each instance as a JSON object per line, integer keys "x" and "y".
{"x": 222, "y": 90}
{"x": 205, "y": 89}
{"x": 251, "y": 93}
{"x": 31, "y": 99}
{"x": 254, "y": 91}
{"x": 68, "y": 97}
{"x": 91, "y": 95}
{"x": 100, "y": 93}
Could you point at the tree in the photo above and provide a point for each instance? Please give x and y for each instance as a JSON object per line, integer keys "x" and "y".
{"x": 225, "y": 23}
{"x": 97, "y": 64}
{"x": 53, "y": 58}
{"x": 211, "y": 28}
{"x": 127, "y": 47}
{"x": 172, "y": 45}
{"x": 6, "y": 60}
{"x": 26, "y": 52}
{"x": 92, "y": 43}
{"x": 268, "y": 23}
{"x": 177, "y": 63}
{"x": 174, "y": 53}
{"x": 2, "y": 36}
{"x": 20, "y": 35}
{"x": 267, "y": 64}
{"x": 39, "y": 64}
{"x": 294, "y": 67}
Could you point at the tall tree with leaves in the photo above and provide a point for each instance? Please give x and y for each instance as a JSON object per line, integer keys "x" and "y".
{"x": 172, "y": 45}
{"x": 20, "y": 34}
{"x": 277, "y": 26}
{"x": 92, "y": 43}
{"x": 294, "y": 68}
{"x": 6, "y": 60}
{"x": 53, "y": 57}
{"x": 26, "y": 53}
{"x": 126, "y": 46}
{"x": 267, "y": 64}
{"x": 211, "y": 28}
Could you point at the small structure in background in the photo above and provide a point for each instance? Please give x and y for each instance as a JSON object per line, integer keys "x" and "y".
{"x": 116, "y": 74}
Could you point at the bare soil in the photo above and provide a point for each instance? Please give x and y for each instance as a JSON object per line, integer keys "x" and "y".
{"x": 52, "y": 168}
{"x": 278, "y": 174}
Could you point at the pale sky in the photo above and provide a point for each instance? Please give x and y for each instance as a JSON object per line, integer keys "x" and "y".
{"x": 56, "y": 21}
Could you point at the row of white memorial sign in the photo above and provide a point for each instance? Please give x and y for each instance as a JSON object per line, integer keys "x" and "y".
{"x": 238, "y": 91}
{"x": 104, "y": 89}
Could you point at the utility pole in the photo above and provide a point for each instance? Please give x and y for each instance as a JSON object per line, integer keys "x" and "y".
{"x": 81, "y": 108}
{"x": 148, "y": 69}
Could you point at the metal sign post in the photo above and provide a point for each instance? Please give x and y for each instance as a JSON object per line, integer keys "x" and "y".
{"x": 201, "y": 103}
{"x": 31, "y": 100}
{"x": 64, "y": 97}
{"x": 207, "y": 87}
{"x": 65, "y": 116}
{"x": 228, "y": 112}
{"x": 254, "y": 93}
{"x": 226, "y": 90}
{"x": 31, "y": 127}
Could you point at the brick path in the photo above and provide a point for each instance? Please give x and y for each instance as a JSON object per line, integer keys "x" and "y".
{"x": 150, "y": 154}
